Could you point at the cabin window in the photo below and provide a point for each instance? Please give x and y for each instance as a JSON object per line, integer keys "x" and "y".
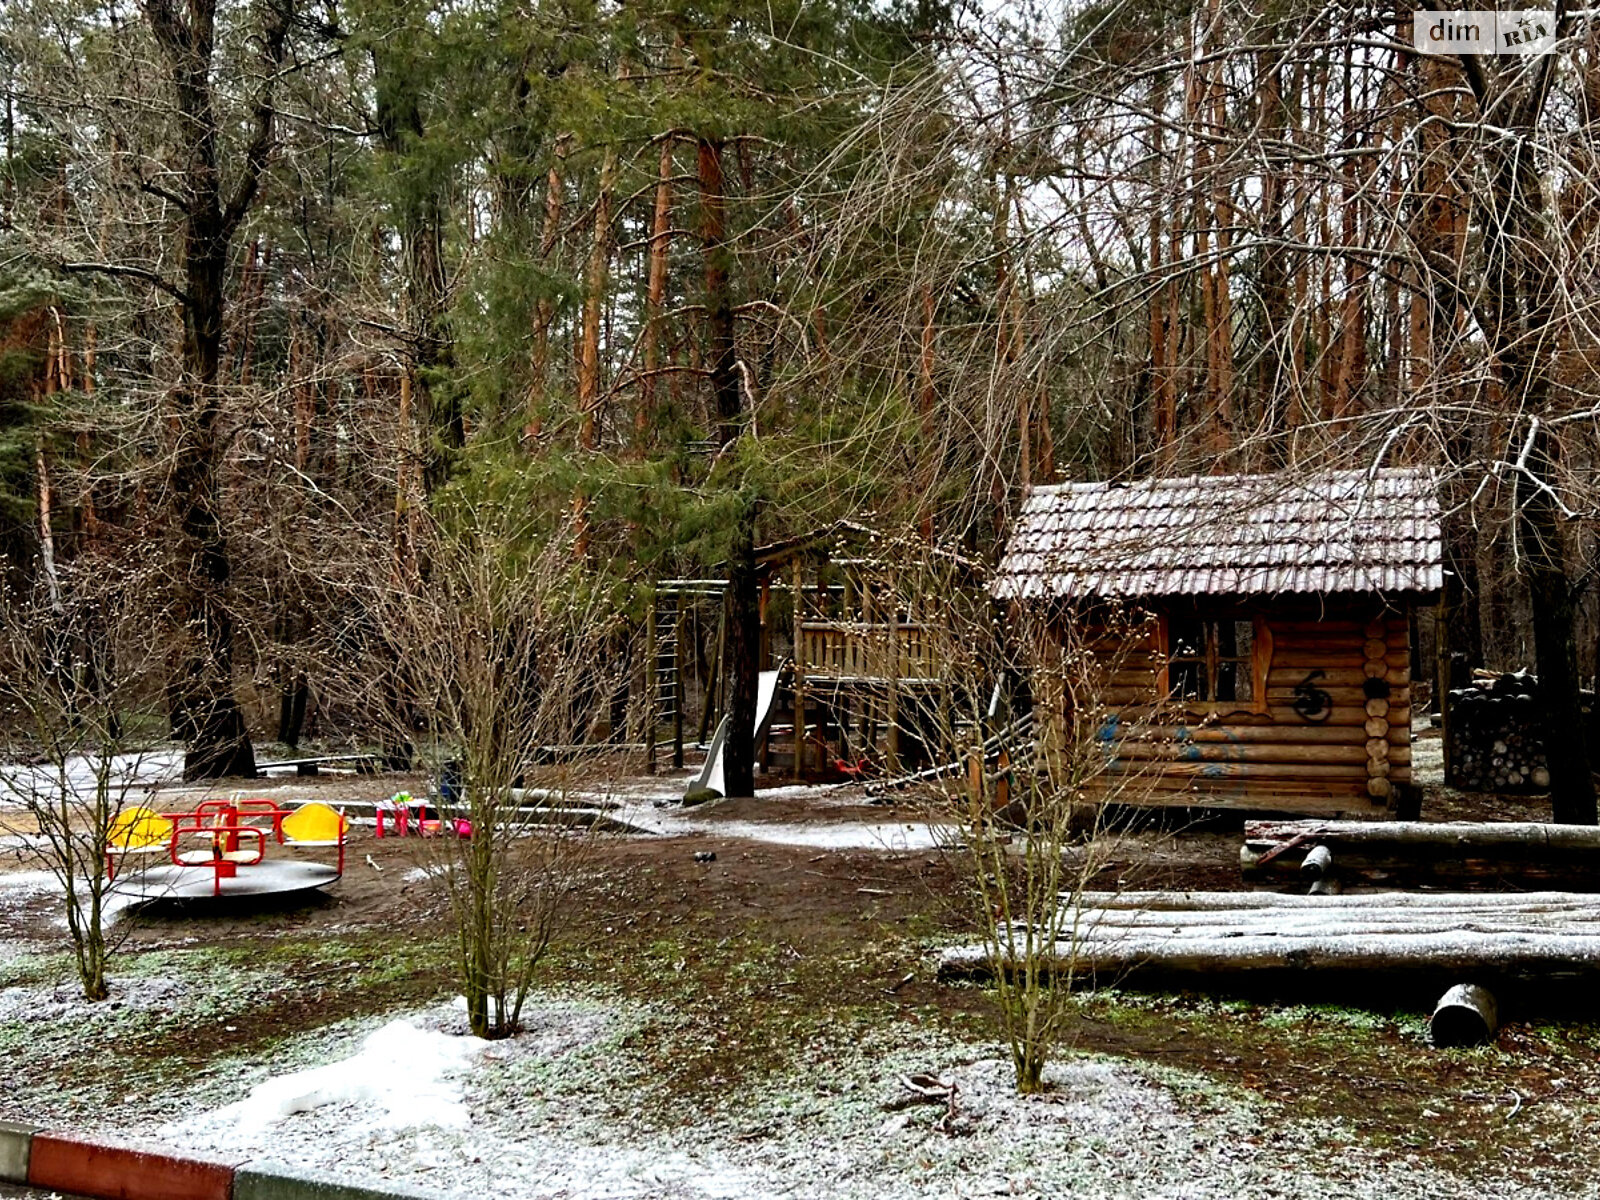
{"x": 1214, "y": 660}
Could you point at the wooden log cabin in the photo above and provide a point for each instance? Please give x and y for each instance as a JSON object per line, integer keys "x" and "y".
{"x": 1249, "y": 635}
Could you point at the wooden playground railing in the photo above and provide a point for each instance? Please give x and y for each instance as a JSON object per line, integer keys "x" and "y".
{"x": 859, "y": 650}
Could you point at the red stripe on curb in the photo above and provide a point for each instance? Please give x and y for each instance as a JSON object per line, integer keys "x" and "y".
{"x": 113, "y": 1172}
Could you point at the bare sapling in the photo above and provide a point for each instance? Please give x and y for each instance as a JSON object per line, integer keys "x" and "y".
{"x": 1021, "y": 704}
{"x": 76, "y": 664}
{"x": 497, "y": 654}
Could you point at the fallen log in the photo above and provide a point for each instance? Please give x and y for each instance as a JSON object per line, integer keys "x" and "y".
{"x": 1515, "y": 852}
{"x": 1191, "y": 902}
{"x": 1379, "y": 947}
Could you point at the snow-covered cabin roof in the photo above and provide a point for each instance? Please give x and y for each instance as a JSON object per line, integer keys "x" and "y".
{"x": 1234, "y": 535}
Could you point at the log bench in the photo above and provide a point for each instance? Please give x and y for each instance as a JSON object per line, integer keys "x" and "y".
{"x": 363, "y": 764}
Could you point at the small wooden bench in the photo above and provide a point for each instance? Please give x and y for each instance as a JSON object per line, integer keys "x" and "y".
{"x": 364, "y": 764}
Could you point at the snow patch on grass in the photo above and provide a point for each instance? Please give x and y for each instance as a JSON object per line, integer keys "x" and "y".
{"x": 21, "y": 891}
{"x": 403, "y": 1077}
{"x": 130, "y": 776}
{"x": 64, "y": 1001}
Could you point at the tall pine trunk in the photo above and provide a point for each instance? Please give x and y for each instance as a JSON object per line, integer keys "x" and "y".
{"x": 743, "y": 647}
{"x": 655, "y": 300}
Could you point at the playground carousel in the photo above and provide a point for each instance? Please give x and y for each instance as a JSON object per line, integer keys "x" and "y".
{"x": 225, "y": 849}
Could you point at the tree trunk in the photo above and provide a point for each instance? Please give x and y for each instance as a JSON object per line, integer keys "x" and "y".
{"x": 589, "y": 339}
{"x": 743, "y": 598}
{"x": 545, "y": 309}
{"x": 927, "y": 401}
{"x": 655, "y": 300}
{"x": 1572, "y": 793}
{"x": 420, "y": 221}
{"x": 219, "y": 744}
{"x": 205, "y": 712}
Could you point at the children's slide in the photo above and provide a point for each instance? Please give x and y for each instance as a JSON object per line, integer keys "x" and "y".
{"x": 710, "y": 778}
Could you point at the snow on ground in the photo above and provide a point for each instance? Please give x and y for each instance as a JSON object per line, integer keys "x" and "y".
{"x": 653, "y": 804}
{"x": 548, "y": 1117}
{"x": 137, "y": 773}
{"x": 829, "y": 835}
{"x": 64, "y": 1001}
{"x": 865, "y": 835}
{"x": 403, "y": 1077}
{"x": 1427, "y": 761}
{"x": 23, "y": 890}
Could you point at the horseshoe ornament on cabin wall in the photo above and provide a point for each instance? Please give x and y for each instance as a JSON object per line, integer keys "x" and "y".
{"x": 1312, "y": 703}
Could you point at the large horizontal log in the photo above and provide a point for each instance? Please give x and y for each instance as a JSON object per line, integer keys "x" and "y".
{"x": 1189, "y": 902}
{"x": 1240, "y": 752}
{"x": 1507, "y": 851}
{"x": 1362, "y": 958}
{"x": 1299, "y": 733}
{"x": 1447, "y": 836}
{"x": 1540, "y": 937}
{"x": 1245, "y": 770}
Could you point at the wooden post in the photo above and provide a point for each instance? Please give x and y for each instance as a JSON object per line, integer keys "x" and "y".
{"x": 766, "y": 630}
{"x": 799, "y": 670}
{"x": 677, "y": 684}
{"x": 1441, "y": 685}
{"x": 891, "y": 757}
{"x": 651, "y": 692}
{"x": 713, "y": 688}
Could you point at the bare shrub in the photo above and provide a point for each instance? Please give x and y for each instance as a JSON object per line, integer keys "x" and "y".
{"x": 1034, "y": 756}
{"x": 1035, "y": 826}
{"x": 494, "y": 658}
{"x": 77, "y": 670}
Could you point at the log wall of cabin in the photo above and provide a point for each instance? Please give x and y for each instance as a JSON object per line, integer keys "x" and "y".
{"x": 1260, "y": 753}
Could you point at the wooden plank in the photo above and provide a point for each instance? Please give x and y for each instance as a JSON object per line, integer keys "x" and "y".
{"x": 1157, "y": 781}
{"x": 1337, "y": 677}
{"x": 1306, "y": 661}
{"x": 1238, "y": 718}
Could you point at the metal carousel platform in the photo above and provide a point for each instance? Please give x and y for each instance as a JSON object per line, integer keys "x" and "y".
{"x": 273, "y": 877}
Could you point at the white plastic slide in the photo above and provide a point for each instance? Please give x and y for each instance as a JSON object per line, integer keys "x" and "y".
{"x": 710, "y": 778}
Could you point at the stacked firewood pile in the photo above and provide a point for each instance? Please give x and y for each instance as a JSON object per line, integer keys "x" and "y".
{"x": 1495, "y": 740}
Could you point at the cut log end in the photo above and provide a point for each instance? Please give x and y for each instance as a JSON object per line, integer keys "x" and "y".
{"x": 1465, "y": 1016}
{"x": 1317, "y": 862}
